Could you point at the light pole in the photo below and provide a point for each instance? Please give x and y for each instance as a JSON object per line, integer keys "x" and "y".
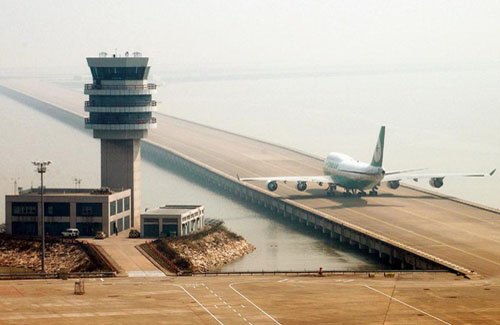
{"x": 15, "y": 179}
{"x": 41, "y": 168}
{"x": 77, "y": 182}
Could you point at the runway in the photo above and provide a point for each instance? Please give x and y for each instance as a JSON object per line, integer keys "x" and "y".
{"x": 449, "y": 231}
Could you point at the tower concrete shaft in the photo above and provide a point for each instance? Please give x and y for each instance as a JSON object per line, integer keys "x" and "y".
{"x": 123, "y": 175}
{"x": 120, "y": 110}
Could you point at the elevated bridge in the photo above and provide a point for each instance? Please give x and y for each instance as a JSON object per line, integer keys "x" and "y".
{"x": 409, "y": 227}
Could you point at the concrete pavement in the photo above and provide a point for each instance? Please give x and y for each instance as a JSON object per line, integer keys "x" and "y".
{"x": 123, "y": 253}
{"x": 339, "y": 299}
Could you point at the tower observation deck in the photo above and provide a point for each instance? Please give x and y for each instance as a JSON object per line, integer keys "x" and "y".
{"x": 120, "y": 110}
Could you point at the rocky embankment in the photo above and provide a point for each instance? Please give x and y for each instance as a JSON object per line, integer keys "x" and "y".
{"x": 207, "y": 250}
{"x": 26, "y": 254}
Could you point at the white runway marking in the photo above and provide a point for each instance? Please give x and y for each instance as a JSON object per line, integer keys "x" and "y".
{"x": 199, "y": 303}
{"x": 270, "y": 317}
{"x": 407, "y": 305}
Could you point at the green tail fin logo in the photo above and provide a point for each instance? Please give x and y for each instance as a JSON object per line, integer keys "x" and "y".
{"x": 378, "y": 155}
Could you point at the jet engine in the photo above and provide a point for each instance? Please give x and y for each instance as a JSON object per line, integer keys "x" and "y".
{"x": 393, "y": 184}
{"x": 436, "y": 182}
{"x": 301, "y": 186}
{"x": 272, "y": 186}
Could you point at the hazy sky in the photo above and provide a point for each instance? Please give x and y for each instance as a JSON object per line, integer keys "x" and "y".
{"x": 205, "y": 33}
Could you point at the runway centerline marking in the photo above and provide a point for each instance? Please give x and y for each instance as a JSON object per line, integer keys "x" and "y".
{"x": 407, "y": 305}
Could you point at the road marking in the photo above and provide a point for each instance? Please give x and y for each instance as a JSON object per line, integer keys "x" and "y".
{"x": 458, "y": 212}
{"x": 199, "y": 303}
{"x": 407, "y": 305}
{"x": 423, "y": 236}
{"x": 447, "y": 223}
{"x": 284, "y": 280}
{"x": 270, "y": 317}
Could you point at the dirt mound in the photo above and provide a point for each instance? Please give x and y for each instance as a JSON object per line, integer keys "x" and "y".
{"x": 204, "y": 251}
{"x": 20, "y": 253}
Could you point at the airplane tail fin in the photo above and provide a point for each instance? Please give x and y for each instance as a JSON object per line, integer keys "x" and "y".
{"x": 378, "y": 155}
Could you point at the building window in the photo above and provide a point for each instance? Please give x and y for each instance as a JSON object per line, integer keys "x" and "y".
{"x": 89, "y": 209}
{"x": 126, "y": 203}
{"x": 56, "y": 228}
{"x": 25, "y": 228}
{"x": 126, "y": 222}
{"x": 88, "y": 228}
{"x": 119, "y": 205}
{"x": 120, "y": 225}
{"x": 112, "y": 208}
{"x": 53, "y": 209}
{"x": 24, "y": 209}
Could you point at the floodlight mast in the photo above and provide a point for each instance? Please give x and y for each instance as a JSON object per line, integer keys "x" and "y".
{"x": 41, "y": 168}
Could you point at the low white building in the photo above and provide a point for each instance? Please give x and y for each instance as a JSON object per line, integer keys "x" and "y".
{"x": 89, "y": 210}
{"x": 172, "y": 221}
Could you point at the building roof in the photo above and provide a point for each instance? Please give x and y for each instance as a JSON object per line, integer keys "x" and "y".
{"x": 171, "y": 210}
{"x": 70, "y": 191}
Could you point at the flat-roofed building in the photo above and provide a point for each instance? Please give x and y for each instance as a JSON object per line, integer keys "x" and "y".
{"x": 172, "y": 220}
{"x": 89, "y": 210}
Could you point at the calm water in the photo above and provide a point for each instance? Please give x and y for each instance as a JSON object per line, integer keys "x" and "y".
{"x": 29, "y": 134}
{"x": 443, "y": 120}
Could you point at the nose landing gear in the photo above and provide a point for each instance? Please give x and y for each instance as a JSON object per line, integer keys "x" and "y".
{"x": 374, "y": 191}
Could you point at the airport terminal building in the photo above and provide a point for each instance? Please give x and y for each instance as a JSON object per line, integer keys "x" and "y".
{"x": 89, "y": 210}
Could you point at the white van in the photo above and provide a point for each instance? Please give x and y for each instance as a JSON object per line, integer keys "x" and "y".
{"x": 71, "y": 233}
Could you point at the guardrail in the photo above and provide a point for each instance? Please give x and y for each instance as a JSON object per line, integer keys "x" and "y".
{"x": 151, "y": 120}
{"x": 119, "y": 87}
{"x": 159, "y": 257}
{"x": 313, "y": 272}
{"x": 100, "y": 257}
{"x": 26, "y": 276}
{"x": 133, "y": 104}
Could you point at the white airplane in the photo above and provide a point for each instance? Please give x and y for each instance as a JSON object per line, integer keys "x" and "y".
{"x": 355, "y": 176}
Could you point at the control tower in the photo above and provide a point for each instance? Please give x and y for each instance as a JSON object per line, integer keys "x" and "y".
{"x": 120, "y": 110}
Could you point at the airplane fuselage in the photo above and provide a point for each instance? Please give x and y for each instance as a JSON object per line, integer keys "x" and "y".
{"x": 351, "y": 174}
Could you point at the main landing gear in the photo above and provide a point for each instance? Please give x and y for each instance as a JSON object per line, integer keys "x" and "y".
{"x": 330, "y": 191}
{"x": 359, "y": 193}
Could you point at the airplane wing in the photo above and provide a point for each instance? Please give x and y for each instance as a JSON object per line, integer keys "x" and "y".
{"x": 284, "y": 179}
{"x": 416, "y": 177}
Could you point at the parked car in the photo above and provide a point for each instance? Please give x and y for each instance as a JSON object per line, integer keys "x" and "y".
{"x": 100, "y": 235}
{"x": 71, "y": 233}
{"x": 134, "y": 233}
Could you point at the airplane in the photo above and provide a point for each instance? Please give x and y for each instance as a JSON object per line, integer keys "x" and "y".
{"x": 355, "y": 177}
